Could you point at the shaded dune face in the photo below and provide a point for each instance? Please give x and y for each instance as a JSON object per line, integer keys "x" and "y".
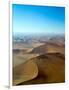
{"x": 48, "y": 68}
{"x": 49, "y": 48}
{"x": 16, "y": 51}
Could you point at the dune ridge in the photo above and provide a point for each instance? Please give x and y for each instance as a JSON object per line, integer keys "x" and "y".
{"x": 48, "y": 68}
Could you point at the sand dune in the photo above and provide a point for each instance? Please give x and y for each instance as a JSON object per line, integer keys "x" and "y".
{"x": 24, "y": 72}
{"x": 39, "y": 62}
{"x": 48, "y": 48}
{"x": 50, "y": 69}
{"x": 22, "y": 58}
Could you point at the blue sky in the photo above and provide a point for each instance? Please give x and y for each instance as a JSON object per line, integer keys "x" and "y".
{"x": 38, "y": 19}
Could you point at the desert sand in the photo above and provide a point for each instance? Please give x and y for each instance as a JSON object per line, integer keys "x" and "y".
{"x": 39, "y": 63}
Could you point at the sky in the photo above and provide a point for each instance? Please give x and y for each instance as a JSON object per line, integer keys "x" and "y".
{"x": 38, "y": 19}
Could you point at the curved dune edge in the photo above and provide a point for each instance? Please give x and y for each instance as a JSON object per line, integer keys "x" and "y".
{"x": 51, "y": 69}
{"x": 25, "y": 72}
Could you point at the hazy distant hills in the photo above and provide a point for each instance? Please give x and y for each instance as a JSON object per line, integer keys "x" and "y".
{"x": 34, "y": 38}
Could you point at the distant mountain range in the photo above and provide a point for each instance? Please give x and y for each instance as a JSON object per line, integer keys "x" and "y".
{"x": 36, "y": 38}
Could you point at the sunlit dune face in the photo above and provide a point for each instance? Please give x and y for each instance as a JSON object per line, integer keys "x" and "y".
{"x": 25, "y": 72}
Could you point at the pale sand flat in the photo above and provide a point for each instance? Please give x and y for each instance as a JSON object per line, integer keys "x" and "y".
{"x": 25, "y": 72}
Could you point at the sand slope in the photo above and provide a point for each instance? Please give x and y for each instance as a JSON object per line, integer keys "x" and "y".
{"x": 24, "y": 72}
{"x": 48, "y": 68}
